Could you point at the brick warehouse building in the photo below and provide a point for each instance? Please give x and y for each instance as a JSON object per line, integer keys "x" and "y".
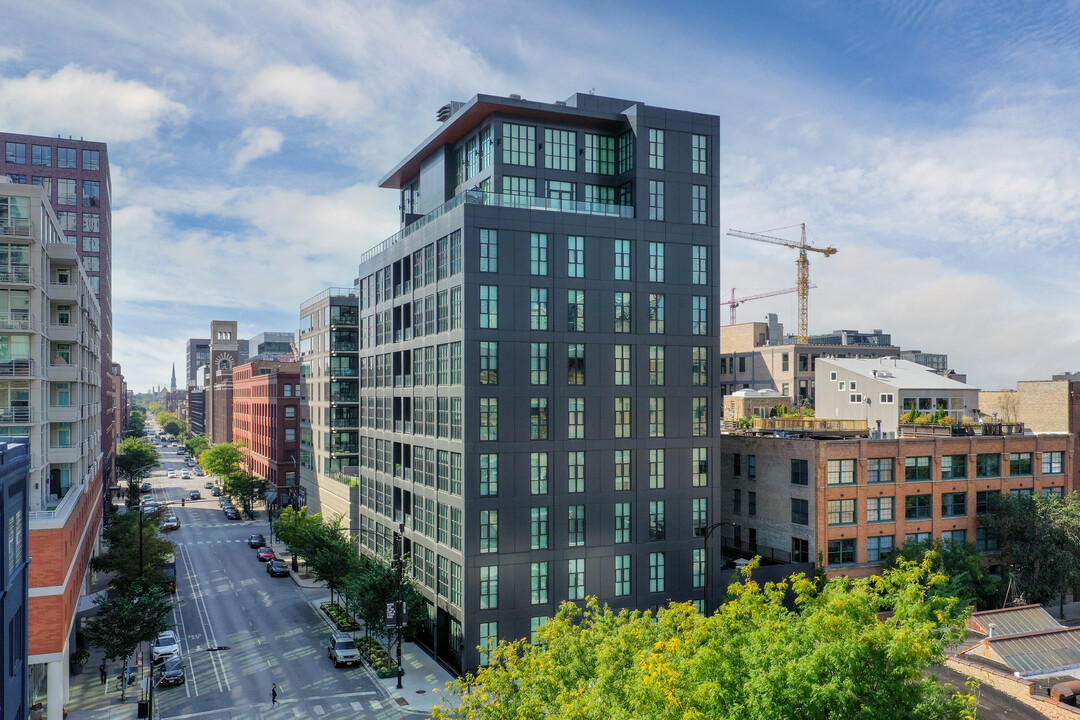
{"x": 537, "y": 404}
{"x": 845, "y": 503}
{"x": 266, "y": 419}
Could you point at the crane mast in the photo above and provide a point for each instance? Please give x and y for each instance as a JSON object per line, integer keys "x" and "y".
{"x": 803, "y": 265}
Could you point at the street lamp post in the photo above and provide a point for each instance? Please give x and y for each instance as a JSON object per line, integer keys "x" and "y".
{"x": 707, "y": 533}
{"x": 399, "y": 620}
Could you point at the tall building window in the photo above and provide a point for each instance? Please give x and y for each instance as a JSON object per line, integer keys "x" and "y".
{"x": 656, "y": 200}
{"x": 538, "y": 254}
{"x": 519, "y": 187}
{"x": 622, "y": 259}
{"x": 699, "y": 516}
{"x": 953, "y": 504}
{"x": 489, "y": 638}
{"x": 575, "y": 364}
{"x": 575, "y": 572}
{"x": 657, "y": 524}
{"x": 656, "y": 149}
{"x": 519, "y": 145}
{"x": 563, "y": 194}
{"x": 489, "y": 418}
{"x": 575, "y": 256}
{"x": 988, "y": 465}
{"x": 841, "y": 512}
{"x": 575, "y": 471}
{"x": 656, "y": 572}
{"x": 15, "y": 153}
{"x": 41, "y": 155}
{"x": 575, "y": 310}
{"x": 489, "y": 306}
{"x": 700, "y": 417}
{"x": 538, "y": 308}
{"x": 622, "y": 417}
{"x": 656, "y": 313}
{"x": 842, "y": 552}
{"x": 622, "y": 522}
{"x": 489, "y": 250}
{"x": 622, "y": 312}
{"x": 622, "y": 364}
{"x": 918, "y": 507}
{"x": 538, "y": 419}
{"x": 841, "y": 472}
{"x": 699, "y": 315}
{"x": 1053, "y": 462}
{"x": 575, "y": 515}
{"x": 917, "y": 468}
{"x": 622, "y": 575}
{"x": 700, "y": 365}
{"x": 489, "y": 531}
{"x": 953, "y": 466}
{"x": 699, "y": 467}
{"x": 560, "y": 149}
{"x": 656, "y": 262}
{"x": 489, "y": 474}
{"x": 538, "y": 528}
{"x": 489, "y": 362}
{"x": 538, "y": 473}
{"x": 656, "y": 364}
{"x": 599, "y": 154}
{"x": 800, "y": 511}
{"x": 66, "y": 192}
{"x": 699, "y": 265}
{"x": 538, "y": 572}
{"x": 697, "y": 568}
{"x": 489, "y": 587}
{"x": 66, "y": 158}
{"x": 575, "y": 418}
{"x": 878, "y": 548}
{"x": 879, "y": 470}
{"x": 91, "y": 191}
{"x": 622, "y": 469}
{"x": 699, "y": 154}
{"x": 626, "y": 152}
{"x": 91, "y": 222}
{"x": 657, "y": 469}
{"x": 656, "y": 417}
{"x": 538, "y": 367}
{"x": 599, "y": 195}
{"x": 880, "y": 509}
{"x": 699, "y": 205}
{"x": 1020, "y": 463}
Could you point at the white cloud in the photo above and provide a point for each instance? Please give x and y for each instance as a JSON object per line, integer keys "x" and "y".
{"x": 308, "y": 91}
{"x": 95, "y": 105}
{"x": 10, "y": 53}
{"x": 256, "y": 143}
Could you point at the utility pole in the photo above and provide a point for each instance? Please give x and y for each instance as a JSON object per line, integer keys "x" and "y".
{"x": 399, "y": 615}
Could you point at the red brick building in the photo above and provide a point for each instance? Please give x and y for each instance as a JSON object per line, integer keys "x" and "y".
{"x": 266, "y": 420}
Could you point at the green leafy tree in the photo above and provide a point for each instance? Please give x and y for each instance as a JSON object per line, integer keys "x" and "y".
{"x": 298, "y": 530}
{"x": 196, "y": 444}
{"x": 967, "y": 572}
{"x": 135, "y": 457}
{"x": 372, "y": 585}
{"x": 834, "y": 656}
{"x": 1039, "y": 537}
{"x": 246, "y": 486}
{"x": 333, "y": 556}
{"x": 121, "y": 559}
{"x": 127, "y": 618}
{"x": 136, "y": 425}
{"x": 171, "y": 424}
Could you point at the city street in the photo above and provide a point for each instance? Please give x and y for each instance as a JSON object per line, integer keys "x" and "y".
{"x": 241, "y": 630}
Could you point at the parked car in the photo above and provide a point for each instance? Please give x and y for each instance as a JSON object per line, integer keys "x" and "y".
{"x": 195, "y": 495}
{"x": 170, "y": 473}
{"x": 277, "y": 568}
{"x": 256, "y": 540}
{"x": 215, "y": 491}
{"x": 185, "y": 475}
{"x": 150, "y": 506}
{"x": 170, "y": 523}
{"x": 342, "y": 650}
{"x": 232, "y": 513}
{"x": 172, "y": 673}
{"x": 266, "y": 554}
{"x": 146, "y": 487}
{"x": 199, "y": 472}
{"x": 166, "y": 645}
{"x": 190, "y": 463}
{"x": 207, "y": 484}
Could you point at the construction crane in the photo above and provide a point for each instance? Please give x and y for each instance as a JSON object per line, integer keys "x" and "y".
{"x": 803, "y": 264}
{"x": 735, "y": 302}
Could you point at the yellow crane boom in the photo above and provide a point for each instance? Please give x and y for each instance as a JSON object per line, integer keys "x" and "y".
{"x": 803, "y": 266}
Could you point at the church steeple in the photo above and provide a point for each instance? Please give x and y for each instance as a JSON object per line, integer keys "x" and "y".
{"x": 173, "y": 377}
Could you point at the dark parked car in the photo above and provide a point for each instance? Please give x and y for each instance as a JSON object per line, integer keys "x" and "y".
{"x": 215, "y": 491}
{"x": 256, "y": 540}
{"x": 170, "y": 523}
{"x": 146, "y": 487}
{"x": 195, "y": 495}
{"x": 172, "y": 673}
{"x": 277, "y": 568}
{"x": 266, "y": 554}
{"x": 232, "y": 513}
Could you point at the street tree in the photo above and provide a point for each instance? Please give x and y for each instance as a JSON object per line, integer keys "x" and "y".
{"x": 126, "y": 618}
{"x": 196, "y": 444}
{"x": 298, "y": 530}
{"x": 135, "y": 457}
{"x": 246, "y": 486}
{"x": 171, "y": 424}
{"x": 966, "y": 569}
{"x": 370, "y": 587}
{"x": 122, "y": 558}
{"x": 333, "y": 556}
{"x": 836, "y": 655}
{"x": 136, "y": 424}
{"x": 1039, "y": 538}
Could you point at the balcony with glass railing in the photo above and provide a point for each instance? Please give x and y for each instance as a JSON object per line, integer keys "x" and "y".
{"x": 17, "y": 320}
{"x": 16, "y": 415}
{"x": 16, "y": 274}
{"x": 17, "y": 227}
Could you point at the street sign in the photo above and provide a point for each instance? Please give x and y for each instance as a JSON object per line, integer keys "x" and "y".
{"x": 392, "y": 616}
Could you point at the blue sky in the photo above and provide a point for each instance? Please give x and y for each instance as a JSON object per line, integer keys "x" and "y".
{"x": 935, "y": 144}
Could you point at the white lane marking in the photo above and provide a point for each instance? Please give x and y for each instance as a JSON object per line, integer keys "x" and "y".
{"x": 375, "y": 704}
{"x": 318, "y": 710}
{"x": 218, "y": 663}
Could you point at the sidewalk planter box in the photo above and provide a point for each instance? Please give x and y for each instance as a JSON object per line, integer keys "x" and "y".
{"x": 933, "y": 430}
{"x": 377, "y": 657}
{"x": 340, "y": 618}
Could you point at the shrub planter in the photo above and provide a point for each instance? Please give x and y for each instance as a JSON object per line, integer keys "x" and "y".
{"x": 377, "y": 657}
{"x": 340, "y": 618}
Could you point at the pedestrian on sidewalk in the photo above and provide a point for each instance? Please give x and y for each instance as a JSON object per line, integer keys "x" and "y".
{"x": 273, "y": 695}
{"x": 104, "y": 670}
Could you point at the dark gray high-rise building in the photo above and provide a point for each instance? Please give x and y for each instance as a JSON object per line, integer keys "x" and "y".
{"x": 536, "y": 416}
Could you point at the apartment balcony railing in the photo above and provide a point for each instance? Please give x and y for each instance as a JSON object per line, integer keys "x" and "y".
{"x": 325, "y": 295}
{"x": 19, "y": 227}
{"x": 64, "y": 291}
{"x": 16, "y": 274}
{"x": 344, "y": 346}
{"x": 344, "y": 397}
{"x": 15, "y": 415}
{"x": 16, "y": 321}
{"x": 345, "y": 449}
{"x": 17, "y": 368}
{"x": 343, "y": 371}
{"x": 748, "y": 550}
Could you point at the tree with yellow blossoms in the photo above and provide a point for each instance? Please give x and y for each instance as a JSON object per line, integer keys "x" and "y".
{"x": 850, "y": 650}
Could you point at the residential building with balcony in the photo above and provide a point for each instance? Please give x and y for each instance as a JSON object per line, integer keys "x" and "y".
{"x": 50, "y": 394}
{"x": 266, "y": 420}
{"x": 330, "y": 407}
{"x": 536, "y": 364}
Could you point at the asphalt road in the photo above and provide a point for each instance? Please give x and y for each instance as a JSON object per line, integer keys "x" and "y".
{"x": 242, "y": 630}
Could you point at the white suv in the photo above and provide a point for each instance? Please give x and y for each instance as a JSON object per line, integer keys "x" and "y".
{"x": 342, "y": 650}
{"x": 165, "y": 646}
